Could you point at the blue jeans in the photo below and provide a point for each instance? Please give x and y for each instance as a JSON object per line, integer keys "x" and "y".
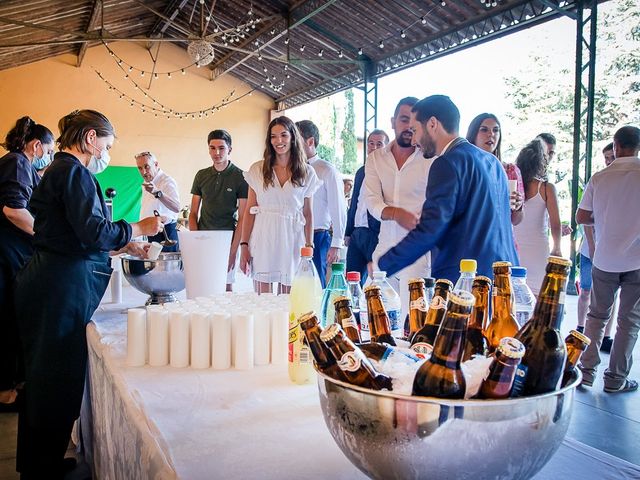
{"x": 321, "y": 245}
{"x": 585, "y": 273}
{"x": 172, "y": 233}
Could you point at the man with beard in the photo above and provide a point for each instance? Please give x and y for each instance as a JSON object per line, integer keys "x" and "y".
{"x": 466, "y": 213}
{"x": 395, "y": 182}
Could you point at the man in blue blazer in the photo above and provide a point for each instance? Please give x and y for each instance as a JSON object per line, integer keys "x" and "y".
{"x": 466, "y": 213}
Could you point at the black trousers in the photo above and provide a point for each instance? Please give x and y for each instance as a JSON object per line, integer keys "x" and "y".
{"x": 52, "y": 318}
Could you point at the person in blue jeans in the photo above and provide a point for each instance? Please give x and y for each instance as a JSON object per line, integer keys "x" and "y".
{"x": 361, "y": 234}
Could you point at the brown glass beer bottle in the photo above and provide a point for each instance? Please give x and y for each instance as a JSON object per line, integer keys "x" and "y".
{"x": 427, "y": 334}
{"x": 344, "y": 316}
{"x": 476, "y": 343}
{"x": 324, "y": 360}
{"x": 379, "y": 324}
{"x": 503, "y": 319}
{"x": 576, "y": 344}
{"x": 502, "y": 371}
{"x": 418, "y": 306}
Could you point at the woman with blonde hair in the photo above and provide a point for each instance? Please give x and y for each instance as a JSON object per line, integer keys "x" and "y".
{"x": 278, "y": 220}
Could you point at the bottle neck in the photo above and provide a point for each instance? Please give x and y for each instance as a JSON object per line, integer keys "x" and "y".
{"x": 503, "y": 299}
{"x": 449, "y": 344}
{"x": 480, "y": 312}
{"x": 550, "y": 305}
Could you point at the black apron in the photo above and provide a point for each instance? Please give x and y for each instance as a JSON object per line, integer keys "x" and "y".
{"x": 55, "y": 298}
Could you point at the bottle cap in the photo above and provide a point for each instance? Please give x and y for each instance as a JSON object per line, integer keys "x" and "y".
{"x": 330, "y": 332}
{"x": 371, "y": 288}
{"x": 379, "y": 274}
{"x": 511, "y": 348}
{"x": 353, "y": 276}
{"x": 468, "y": 265}
{"x": 429, "y": 282}
{"x": 341, "y": 299}
{"x": 306, "y": 252}
{"x": 446, "y": 282}
{"x": 580, "y": 336}
{"x": 307, "y": 316}
{"x": 565, "y": 262}
{"x": 415, "y": 280}
{"x": 337, "y": 267}
{"x": 463, "y": 298}
{"x": 482, "y": 279}
{"x": 519, "y": 272}
{"x": 501, "y": 264}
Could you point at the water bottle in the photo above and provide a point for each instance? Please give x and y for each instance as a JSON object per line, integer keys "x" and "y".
{"x": 391, "y": 301}
{"x": 337, "y": 287}
{"x": 355, "y": 290}
{"x": 365, "y": 333}
{"x": 468, "y": 269}
{"x": 429, "y": 288}
{"x": 524, "y": 299}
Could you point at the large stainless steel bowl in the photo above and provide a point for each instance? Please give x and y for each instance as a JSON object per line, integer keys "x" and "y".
{"x": 390, "y": 435}
{"x": 160, "y": 278}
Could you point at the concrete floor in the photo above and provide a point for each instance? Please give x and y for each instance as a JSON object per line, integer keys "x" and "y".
{"x": 607, "y": 422}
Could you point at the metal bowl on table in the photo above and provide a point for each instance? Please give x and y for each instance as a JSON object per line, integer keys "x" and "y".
{"x": 161, "y": 278}
{"x": 389, "y": 435}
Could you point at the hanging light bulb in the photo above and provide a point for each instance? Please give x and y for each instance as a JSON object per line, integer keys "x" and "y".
{"x": 340, "y": 54}
{"x": 321, "y": 52}
{"x": 360, "y": 51}
{"x": 381, "y": 44}
{"x": 423, "y": 20}
{"x": 402, "y": 34}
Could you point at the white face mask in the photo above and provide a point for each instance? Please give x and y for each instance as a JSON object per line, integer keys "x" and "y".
{"x": 98, "y": 164}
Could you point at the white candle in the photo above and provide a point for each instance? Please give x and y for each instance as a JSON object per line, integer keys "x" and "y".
{"x": 221, "y": 341}
{"x": 242, "y": 334}
{"x": 158, "y": 320}
{"x": 179, "y": 338}
{"x": 261, "y": 337}
{"x": 136, "y": 337}
{"x": 279, "y": 336}
{"x": 116, "y": 286}
{"x": 200, "y": 339}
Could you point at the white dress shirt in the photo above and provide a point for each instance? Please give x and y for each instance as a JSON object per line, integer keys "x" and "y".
{"x": 613, "y": 196}
{"x": 360, "y": 219}
{"x": 169, "y": 189}
{"x": 329, "y": 206}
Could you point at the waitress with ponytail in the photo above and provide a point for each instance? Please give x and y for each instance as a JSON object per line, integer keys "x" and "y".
{"x": 59, "y": 289}
{"x": 30, "y": 147}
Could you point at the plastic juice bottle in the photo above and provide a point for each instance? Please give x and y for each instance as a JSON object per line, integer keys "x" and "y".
{"x": 304, "y": 297}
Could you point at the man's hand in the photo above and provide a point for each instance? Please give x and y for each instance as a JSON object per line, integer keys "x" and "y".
{"x": 149, "y": 187}
{"x": 333, "y": 255}
{"x": 137, "y": 249}
{"x": 406, "y": 219}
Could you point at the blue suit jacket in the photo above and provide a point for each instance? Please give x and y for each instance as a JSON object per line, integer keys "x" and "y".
{"x": 374, "y": 224}
{"x": 466, "y": 214}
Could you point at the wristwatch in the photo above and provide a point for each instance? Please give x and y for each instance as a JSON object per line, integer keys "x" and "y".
{"x": 158, "y": 194}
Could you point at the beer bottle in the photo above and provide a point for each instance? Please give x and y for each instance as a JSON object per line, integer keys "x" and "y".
{"x": 379, "y": 324}
{"x": 576, "y": 344}
{"x": 476, "y": 343}
{"x": 546, "y": 352}
{"x": 503, "y": 319}
{"x": 427, "y": 334}
{"x": 418, "y": 306}
{"x": 502, "y": 371}
{"x": 353, "y": 363}
{"x": 345, "y": 317}
{"x": 441, "y": 375}
{"x": 325, "y": 362}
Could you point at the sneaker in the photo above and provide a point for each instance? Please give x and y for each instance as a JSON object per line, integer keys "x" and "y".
{"x": 606, "y": 344}
{"x": 627, "y": 386}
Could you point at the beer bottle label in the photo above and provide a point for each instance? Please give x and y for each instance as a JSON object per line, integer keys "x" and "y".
{"x": 438, "y": 303}
{"x": 350, "y": 322}
{"x": 422, "y": 349}
{"x": 350, "y": 361}
{"x": 419, "y": 304}
{"x": 519, "y": 380}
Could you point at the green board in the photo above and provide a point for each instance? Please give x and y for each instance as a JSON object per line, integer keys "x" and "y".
{"x": 127, "y": 182}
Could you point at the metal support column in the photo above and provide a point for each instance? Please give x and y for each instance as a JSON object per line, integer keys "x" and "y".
{"x": 586, "y": 25}
{"x": 370, "y": 102}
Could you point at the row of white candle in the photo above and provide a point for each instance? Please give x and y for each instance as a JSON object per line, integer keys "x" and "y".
{"x": 221, "y": 332}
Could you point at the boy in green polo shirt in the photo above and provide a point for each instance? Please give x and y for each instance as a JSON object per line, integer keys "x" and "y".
{"x": 219, "y": 195}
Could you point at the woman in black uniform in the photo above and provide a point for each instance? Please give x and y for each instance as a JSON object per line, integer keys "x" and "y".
{"x": 29, "y": 145}
{"x": 61, "y": 286}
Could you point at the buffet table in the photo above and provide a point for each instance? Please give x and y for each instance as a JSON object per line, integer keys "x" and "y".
{"x": 166, "y": 423}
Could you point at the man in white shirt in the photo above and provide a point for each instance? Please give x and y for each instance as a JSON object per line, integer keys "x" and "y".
{"x": 329, "y": 206}
{"x": 616, "y": 260}
{"x": 159, "y": 192}
{"x": 395, "y": 187}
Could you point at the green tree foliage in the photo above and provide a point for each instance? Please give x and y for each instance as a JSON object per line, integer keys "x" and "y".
{"x": 348, "y": 136}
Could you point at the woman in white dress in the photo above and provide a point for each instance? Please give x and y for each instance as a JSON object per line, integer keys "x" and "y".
{"x": 541, "y": 214}
{"x": 278, "y": 220}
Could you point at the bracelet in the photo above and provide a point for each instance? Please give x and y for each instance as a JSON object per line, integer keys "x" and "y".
{"x": 244, "y": 243}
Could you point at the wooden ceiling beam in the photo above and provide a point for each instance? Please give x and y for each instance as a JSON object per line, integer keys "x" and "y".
{"x": 97, "y": 12}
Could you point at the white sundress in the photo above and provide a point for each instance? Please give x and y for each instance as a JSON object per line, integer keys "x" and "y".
{"x": 278, "y": 230}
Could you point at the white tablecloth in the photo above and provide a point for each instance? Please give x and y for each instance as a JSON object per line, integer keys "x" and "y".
{"x": 166, "y": 423}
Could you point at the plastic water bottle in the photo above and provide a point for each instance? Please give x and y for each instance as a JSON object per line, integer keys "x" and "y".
{"x": 524, "y": 299}
{"x": 305, "y": 295}
{"x": 468, "y": 269}
{"x": 429, "y": 288}
{"x": 355, "y": 291}
{"x": 337, "y": 287}
{"x": 391, "y": 301}
{"x": 365, "y": 333}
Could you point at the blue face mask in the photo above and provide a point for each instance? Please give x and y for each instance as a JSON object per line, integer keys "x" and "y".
{"x": 41, "y": 162}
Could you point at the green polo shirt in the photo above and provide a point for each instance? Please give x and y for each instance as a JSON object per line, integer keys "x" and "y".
{"x": 220, "y": 192}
